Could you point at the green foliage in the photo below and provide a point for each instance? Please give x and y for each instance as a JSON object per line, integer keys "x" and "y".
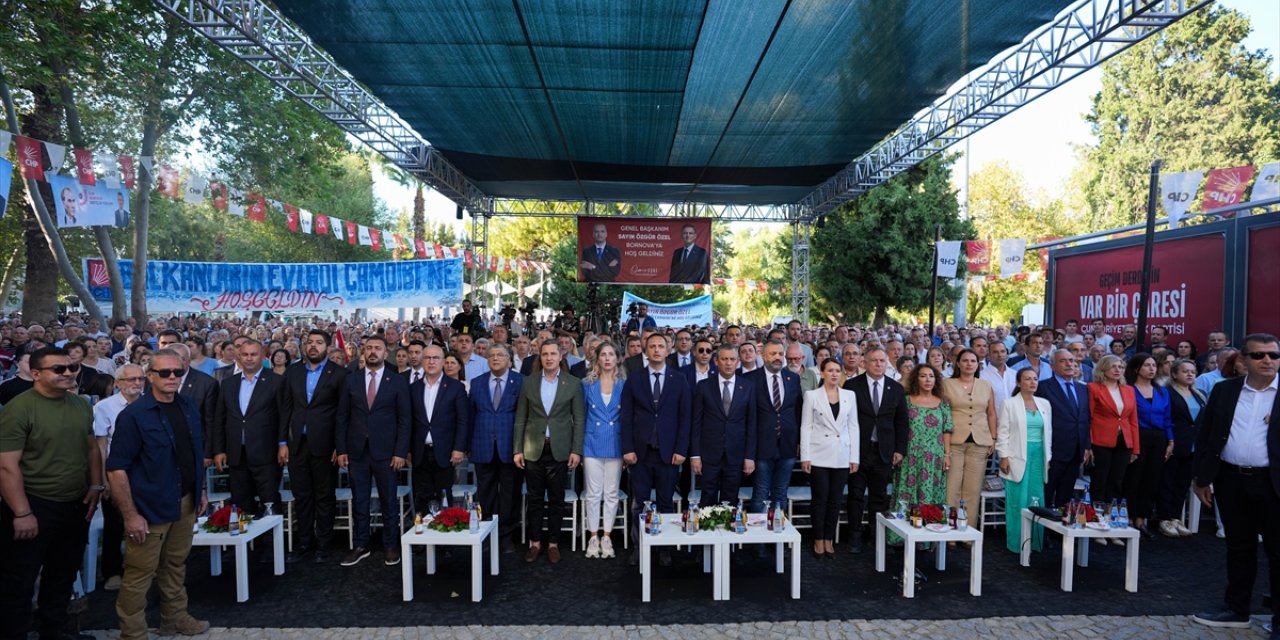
{"x": 877, "y": 251}
{"x": 1192, "y": 96}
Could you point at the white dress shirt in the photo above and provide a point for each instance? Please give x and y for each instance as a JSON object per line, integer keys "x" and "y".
{"x": 429, "y": 392}
{"x": 1247, "y": 444}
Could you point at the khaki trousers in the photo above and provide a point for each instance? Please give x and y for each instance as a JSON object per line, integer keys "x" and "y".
{"x": 964, "y": 478}
{"x": 163, "y": 557}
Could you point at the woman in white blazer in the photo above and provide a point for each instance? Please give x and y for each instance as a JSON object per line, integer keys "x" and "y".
{"x": 829, "y": 440}
{"x": 1024, "y": 434}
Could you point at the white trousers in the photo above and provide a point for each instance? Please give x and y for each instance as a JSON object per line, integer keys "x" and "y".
{"x": 601, "y": 477}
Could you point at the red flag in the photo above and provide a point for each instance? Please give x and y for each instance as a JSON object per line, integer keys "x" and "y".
{"x": 84, "y": 167}
{"x": 30, "y": 159}
{"x": 401, "y": 245}
{"x": 219, "y": 192}
{"x": 741, "y": 284}
{"x": 338, "y": 341}
{"x": 762, "y": 286}
{"x": 322, "y": 224}
{"x": 493, "y": 264}
{"x": 439, "y": 250}
{"x": 375, "y": 237}
{"x": 718, "y": 280}
{"x": 352, "y": 238}
{"x": 291, "y": 217}
{"x": 1225, "y": 187}
{"x": 466, "y": 258}
{"x": 127, "y": 171}
{"x": 979, "y": 254}
{"x": 257, "y": 210}
{"x": 421, "y": 246}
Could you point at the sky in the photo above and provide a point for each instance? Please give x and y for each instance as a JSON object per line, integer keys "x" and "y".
{"x": 1038, "y": 139}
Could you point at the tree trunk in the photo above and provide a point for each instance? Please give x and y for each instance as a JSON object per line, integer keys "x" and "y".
{"x": 881, "y": 317}
{"x": 10, "y": 275}
{"x": 40, "y": 291}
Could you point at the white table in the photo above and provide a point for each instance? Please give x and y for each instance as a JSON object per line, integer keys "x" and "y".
{"x": 762, "y": 535}
{"x": 672, "y": 536}
{"x": 912, "y": 536}
{"x": 432, "y": 539}
{"x": 1071, "y": 538}
{"x": 259, "y": 526}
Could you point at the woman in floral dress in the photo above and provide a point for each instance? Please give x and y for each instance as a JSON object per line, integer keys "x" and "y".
{"x": 922, "y": 476}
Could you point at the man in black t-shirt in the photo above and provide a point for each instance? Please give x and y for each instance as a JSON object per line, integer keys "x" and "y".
{"x": 19, "y": 383}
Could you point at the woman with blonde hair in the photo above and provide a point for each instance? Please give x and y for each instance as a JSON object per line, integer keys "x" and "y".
{"x": 602, "y": 447}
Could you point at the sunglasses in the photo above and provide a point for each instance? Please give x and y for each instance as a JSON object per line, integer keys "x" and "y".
{"x": 704, "y": 350}
{"x": 59, "y": 369}
{"x": 169, "y": 373}
{"x": 1258, "y": 355}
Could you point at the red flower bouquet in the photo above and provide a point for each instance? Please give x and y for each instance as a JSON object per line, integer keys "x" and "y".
{"x": 220, "y": 521}
{"x": 451, "y": 519}
{"x": 929, "y": 514}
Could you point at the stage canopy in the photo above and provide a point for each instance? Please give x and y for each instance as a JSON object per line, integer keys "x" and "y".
{"x": 729, "y": 101}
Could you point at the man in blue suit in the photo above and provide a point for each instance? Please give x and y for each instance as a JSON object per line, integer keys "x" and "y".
{"x": 1069, "y": 401}
{"x": 440, "y": 422}
{"x": 778, "y": 405}
{"x": 655, "y": 433}
{"x": 494, "y": 396}
{"x": 373, "y": 429}
{"x": 723, "y": 444}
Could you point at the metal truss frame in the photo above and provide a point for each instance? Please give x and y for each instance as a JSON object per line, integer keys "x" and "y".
{"x": 572, "y": 209}
{"x": 1079, "y": 39}
{"x": 801, "y": 235}
{"x": 258, "y": 35}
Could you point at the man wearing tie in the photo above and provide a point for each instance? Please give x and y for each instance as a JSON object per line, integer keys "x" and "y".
{"x": 684, "y": 349}
{"x": 601, "y": 262}
{"x": 689, "y": 264}
{"x": 247, "y": 430}
{"x": 655, "y": 416}
{"x": 310, "y": 399}
{"x": 723, "y": 441}
{"x": 882, "y": 423}
{"x": 440, "y": 422}
{"x": 494, "y": 397}
{"x": 415, "y": 372}
{"x": 1071, "y": 446}
{"x": 778, "y": 406}
{"x": 550, "y": 426}
{"x": 373, "y": 429}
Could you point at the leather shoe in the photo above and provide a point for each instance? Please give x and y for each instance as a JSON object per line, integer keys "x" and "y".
{"x": 532, "y": 554}
{"x": 553, "y": 553}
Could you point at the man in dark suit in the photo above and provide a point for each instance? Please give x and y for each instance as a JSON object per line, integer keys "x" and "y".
{"x": 493, "y": 418}
{"x": 656, "y": 413}
{"x": 247, "y": 430}
{"x": 882, "y": 423}
{"x": 309, "y": 403}
{"x": 723, "y": 440}
{"x": 550, "y": 426}
{"x": 601, "y": 262}
{"x": 702, "y": 367}
{"x": 440, "y": 422}
{"x": 1071, "y": 444}
{"x": 778, "y": 405}
{"x": 121, "y": 214}
{"x": 373, "y": 429}
{"x": 1238, "y": 443}
{"x": 689, "y": 263}
{"x": 640, "y": 360}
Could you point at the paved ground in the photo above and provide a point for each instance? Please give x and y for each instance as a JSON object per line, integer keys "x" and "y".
{"x": 1076, "y": 627}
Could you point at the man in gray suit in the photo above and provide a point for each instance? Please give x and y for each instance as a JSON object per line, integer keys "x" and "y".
{"x": 549, "y": 428}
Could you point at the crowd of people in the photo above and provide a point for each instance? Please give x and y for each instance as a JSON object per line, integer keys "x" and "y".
{"x": 129, "y": 420}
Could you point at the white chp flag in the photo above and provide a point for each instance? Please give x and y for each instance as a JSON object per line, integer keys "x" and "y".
{"x": 338, "y": 228}
{"x": 57, "y": 153}
{"x": 235, "y": 202}
{"x": 948, "y": 258}
{"x": 193, "y": 193}
{"x": 305, "y": 218}
{"x": 363, "y": 236}
{"x": 1012, "y": 252}
{"x": 110, "y": 169}
{"x": 1176, "y": 191}
{"x": 148, "y": 165}
{"x": 1266, "y": 187}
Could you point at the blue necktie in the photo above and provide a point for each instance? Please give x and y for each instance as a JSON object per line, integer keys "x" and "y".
{"x": 1071, "y": 393}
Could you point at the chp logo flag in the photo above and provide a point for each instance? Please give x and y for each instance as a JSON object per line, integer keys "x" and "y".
{"x": 1267, "y": 187}
{"x": 218, "y": 192}
{"x": 127, "y": 171}
{"x": 305, "y": 218}
{"x": 979, "y": 255}
{"x": 1176, "y": 191}
{"x": 194, "y": 192}
{"x": 1012, "y": 252}
{"x": 84, "y": 167}
{"x": 235, "y": 202}
{"x": 355, "y": 233}
{"x": 948, "y": 258}
{"x": 421, "y": 247}
{"x": 110, "y": 170}
{"x": 30, "y": 160}
{"x": 257, "y": 208}
{"x": 1225, "y": 187}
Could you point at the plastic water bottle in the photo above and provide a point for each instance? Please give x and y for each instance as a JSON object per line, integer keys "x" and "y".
{"x": 473, "y": 519}
{"x": 739, "y": 522}
{"x": 778, "y": 521}
{"x": 1124, "y": 513}
{"x": 962, "y": 517}
{"x": 1115, "y": 513}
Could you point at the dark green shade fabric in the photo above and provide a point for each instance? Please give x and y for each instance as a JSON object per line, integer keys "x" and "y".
{"x": 746, "y": 101}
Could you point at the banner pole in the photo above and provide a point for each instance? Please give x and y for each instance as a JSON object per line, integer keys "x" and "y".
{"x": 1148, "y": 247}
{"x": 933, "y": 294}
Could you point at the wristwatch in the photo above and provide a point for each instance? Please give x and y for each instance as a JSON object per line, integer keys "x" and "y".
{"x": 98, "y": 487}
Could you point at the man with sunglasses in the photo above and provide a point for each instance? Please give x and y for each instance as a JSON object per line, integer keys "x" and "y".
{"x": 700, "y": 369}
{"x": 158, "y": 484}
{"x": 1234, "y": 455}
{"x": 51, "y": 481}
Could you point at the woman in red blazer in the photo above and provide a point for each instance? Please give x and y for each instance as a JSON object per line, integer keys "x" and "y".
{"x": 1113, "y": 428}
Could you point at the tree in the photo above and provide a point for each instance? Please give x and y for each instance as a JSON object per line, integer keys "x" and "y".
{"x": 876, "y": 252}
{"x": 1192, "y": 96}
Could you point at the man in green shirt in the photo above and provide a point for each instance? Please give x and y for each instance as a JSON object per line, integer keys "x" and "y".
{"x": 51, "y": 480}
